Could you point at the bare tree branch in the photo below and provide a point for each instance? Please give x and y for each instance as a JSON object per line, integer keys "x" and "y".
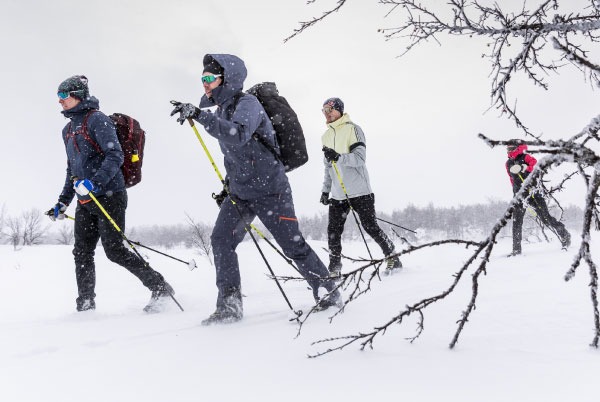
{"x": 307, "y": 24}
{"x": 517, "y": 44}
{"x": 201, "y": 237}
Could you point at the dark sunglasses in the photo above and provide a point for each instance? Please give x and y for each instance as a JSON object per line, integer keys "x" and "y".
{"x": 209, "y": 79}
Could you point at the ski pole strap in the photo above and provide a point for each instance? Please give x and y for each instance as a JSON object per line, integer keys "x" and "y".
{"x": 210, "y": 158}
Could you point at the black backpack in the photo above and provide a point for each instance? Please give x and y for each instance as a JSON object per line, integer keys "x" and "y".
{"x": 132, "y": 139}
{"x": 288, "y": 131}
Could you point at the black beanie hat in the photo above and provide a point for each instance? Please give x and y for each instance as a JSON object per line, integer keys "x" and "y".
{"x": 335, "y": 103}
{"x": 76, "y": 86}
{"x": 211, "y": 66}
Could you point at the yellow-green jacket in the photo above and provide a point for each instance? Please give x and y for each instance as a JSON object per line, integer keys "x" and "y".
{"x": 347, "y": 139}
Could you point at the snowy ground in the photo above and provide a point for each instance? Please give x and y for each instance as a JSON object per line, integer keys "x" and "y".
{"x": 526, "y": 341}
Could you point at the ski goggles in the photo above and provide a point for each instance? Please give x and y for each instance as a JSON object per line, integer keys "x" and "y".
{"x": 209, "y": 79}
{"x": 327, "y": 109}
{"x": 66, "y": 94}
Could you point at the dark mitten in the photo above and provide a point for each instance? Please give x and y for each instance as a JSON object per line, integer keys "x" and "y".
{"x": 219, "y": 198}
{"x": 330, "y": 154}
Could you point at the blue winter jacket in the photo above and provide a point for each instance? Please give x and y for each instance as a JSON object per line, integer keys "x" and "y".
{"x": 83, "y": 160}
{"x": 252, "y": 170}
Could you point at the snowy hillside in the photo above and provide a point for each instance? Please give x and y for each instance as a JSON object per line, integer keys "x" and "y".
{"x": 526, "y": 341}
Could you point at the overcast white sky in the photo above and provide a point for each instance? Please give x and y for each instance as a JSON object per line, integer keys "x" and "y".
{"x": 421, "y": 113}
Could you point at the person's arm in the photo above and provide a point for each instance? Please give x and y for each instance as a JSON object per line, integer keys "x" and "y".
{"x": 68, "y": 192}
{"x": 245, "y": 120}
{"x": 530, "y": 161}
{"x": 357, "y": 156}
{"x": 326, "y": 178}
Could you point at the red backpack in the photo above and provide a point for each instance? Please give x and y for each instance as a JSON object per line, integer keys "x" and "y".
{"x": 132, "y": 139}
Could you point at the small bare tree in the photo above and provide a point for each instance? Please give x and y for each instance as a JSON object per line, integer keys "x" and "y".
{"x": 65, "y": 234}
{"x": 33, "y": 229}
{"x": 517, "y": 44}
{"x": 14, "y": 231}
{"x": 2, "y": 221}
{"x": 201, "y": 237}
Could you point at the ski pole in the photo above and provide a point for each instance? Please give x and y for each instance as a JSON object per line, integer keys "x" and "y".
{"x": 392, "y": 223}
{"x": 339, "y": 176}
{"x": 51, "y": 213}
{"x": 247, "y": 226}
{"x": 530, "y": 209}
{"x": 523, "y": 181}
{"x": 190, "y": 264}
{"x": 118, "y": 229}
{"x": 274, "y": 248}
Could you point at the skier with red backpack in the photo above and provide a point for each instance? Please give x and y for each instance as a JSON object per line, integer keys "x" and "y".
{"x": 518, "y": 166}
{"x": 94, "y": 165}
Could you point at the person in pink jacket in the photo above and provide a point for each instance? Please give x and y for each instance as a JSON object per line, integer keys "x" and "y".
{"x": 518, "y": 166}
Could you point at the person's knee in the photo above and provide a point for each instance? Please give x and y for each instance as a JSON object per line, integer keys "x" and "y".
{"x": 373, "y": 230}
{"x": 223, "y": 244}
{"x": 295, "y": 248}
{"x": 115, "y": 252}
{"x": 83, "y": 256}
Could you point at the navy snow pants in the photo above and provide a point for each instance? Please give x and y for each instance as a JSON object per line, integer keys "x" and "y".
{"x": 276, "y": 212}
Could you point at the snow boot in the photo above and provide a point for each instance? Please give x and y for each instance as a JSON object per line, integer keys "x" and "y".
{"x": 325, "y": 299}
{"x": 159, "y": 298}
{"x": 85, "y": 304}
{"x": 392, "y": 265}
{"x": 335, "y": 269}
{"x": 230, "y": 308}
{"x": 565, "y": 239}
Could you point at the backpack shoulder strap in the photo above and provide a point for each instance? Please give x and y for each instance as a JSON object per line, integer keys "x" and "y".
{"x": 85, "y": 133}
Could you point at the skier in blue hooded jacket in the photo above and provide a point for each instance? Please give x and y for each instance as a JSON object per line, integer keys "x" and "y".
{"x": 256, "y": 182}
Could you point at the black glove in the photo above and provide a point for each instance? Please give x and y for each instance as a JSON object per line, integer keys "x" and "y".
{"x": 185, "y": 110}
{"x": 331, "y": 155}
{"x": 219, "y": 198}
{"x": 324, "y": 198}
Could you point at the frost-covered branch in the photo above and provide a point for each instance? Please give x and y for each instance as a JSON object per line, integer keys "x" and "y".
{"x": 517, "y": 39}
{"x": 557, "y": 153}
{"x": 517, "y": 44}
{"x": 357, "y": 282}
